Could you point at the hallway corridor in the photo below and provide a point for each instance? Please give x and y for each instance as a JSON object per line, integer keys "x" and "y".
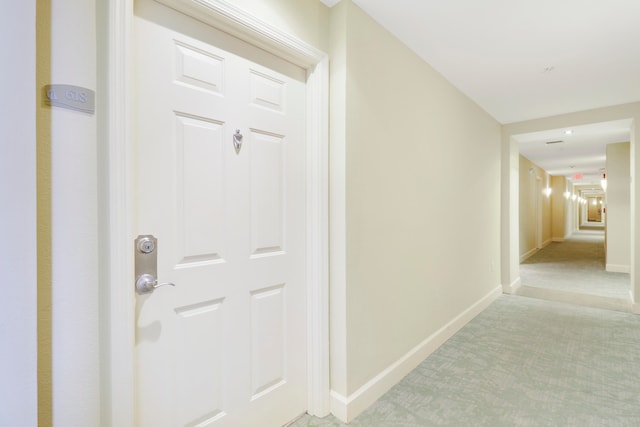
{"x": 528, "y": 362}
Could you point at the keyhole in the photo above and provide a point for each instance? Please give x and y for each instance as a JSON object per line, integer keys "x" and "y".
{"x": 146, "y": 246}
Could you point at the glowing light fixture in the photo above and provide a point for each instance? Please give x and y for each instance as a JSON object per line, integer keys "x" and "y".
{"x": 566, "y": 194}
{"x": 603, "y": 182}
{"x": 574, "y": 197}
{"x": 547, "y": 191}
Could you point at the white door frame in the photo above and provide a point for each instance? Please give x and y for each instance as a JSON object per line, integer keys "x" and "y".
{"x": 119, "y": 311}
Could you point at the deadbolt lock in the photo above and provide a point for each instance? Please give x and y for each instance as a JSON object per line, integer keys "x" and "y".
{"x": 146, "y": 244}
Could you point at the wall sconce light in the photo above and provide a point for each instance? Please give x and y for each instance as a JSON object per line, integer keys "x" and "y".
{"x": 566, "y": 195}
{"x": 574, "y": 197}
{"x": 547, "y": 191}
{"x": 603, "y": 182}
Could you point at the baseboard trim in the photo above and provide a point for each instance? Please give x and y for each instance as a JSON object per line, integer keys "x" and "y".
{"x": 616, "y": 268}
{"x": 534, "y": 250}
{"x": 528, "y": 254}
{"x": 558, "y": 239}
{"x": 346, "y": 408}
{"x": 513, "y": 287}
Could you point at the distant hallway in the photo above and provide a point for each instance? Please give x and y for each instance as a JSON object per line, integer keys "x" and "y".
{"x": 574, "y": 271}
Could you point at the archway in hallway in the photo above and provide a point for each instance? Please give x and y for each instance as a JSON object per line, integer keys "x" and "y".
{"x": 573, "y": 261}
{"x": 580, "y": 229}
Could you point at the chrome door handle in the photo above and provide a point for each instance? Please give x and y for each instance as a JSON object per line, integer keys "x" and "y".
{"x": 146, "y": 260}
{"x": 146, "y": 284}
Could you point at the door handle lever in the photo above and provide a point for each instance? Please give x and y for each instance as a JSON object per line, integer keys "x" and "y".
{"x": 146, "y": 284}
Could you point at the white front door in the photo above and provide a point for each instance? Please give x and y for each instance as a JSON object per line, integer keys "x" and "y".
{"x": 227, "y": 345}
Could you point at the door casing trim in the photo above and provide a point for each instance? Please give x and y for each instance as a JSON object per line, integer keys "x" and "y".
{"x": 118, "y": 318}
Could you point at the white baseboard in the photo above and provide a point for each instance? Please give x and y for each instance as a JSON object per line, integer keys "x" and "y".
{"x": 528, "y": 254}
{"x": 534, "y": 250}
{"x": 614, "y": 268}
{"x": 558, "y": 239}
{"x": 513, "y": 287}
{"x": 346, "y": 408}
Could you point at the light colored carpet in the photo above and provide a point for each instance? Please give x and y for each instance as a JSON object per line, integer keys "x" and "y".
{"x": 521, "y": 362}
{"x": 576, "y": 265}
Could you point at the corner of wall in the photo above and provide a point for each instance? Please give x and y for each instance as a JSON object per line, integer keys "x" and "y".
{"x": 512, "y": 288}
{"x": 337, "y": 203}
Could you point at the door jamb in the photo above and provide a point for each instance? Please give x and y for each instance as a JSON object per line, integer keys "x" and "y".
{"x": 119, "y": 311}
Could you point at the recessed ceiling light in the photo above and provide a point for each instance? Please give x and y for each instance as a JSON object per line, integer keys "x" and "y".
{"x": 568, "y": 132}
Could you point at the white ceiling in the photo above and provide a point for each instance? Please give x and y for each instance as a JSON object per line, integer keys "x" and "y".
{"x": 582, "y": 151}
{"x": 528, "y": 59}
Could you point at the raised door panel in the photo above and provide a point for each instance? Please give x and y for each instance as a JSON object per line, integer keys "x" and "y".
{"x": 200, "y": 189}
{"x": 199, "y": 368}
{"x": 268, "y": 340}
{"x": 267, "y": 170}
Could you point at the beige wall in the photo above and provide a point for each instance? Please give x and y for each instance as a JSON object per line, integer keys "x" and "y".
{"x": 533, "y": 180}
{"x": 420, "y": 157}
{"x": 618, "y": 199}
{"x": 558, "y": 208}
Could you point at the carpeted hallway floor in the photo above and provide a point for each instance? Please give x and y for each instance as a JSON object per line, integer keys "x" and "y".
{"x": 574, "y": 271}
{"x": 530, "y": 362}
{"x": 521, "y": 362}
